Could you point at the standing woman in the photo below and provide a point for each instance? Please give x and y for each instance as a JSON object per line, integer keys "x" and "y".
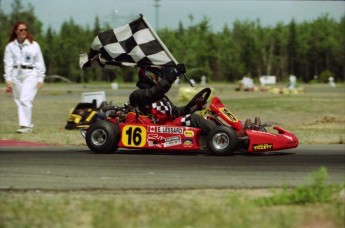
{"x": 24, "y": 72}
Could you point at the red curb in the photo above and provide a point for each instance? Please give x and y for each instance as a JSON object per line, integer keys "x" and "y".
{"x": 16, "y": 143}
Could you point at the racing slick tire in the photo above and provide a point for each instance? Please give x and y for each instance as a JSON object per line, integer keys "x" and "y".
{"x": 222, "y": 140}
{"x": 102, "y": 137}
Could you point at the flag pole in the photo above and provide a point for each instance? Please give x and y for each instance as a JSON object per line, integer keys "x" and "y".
{"x": 163, "y": 46}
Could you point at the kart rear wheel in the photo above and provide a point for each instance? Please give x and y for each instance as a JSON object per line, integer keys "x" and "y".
{"x": 102, "y": 137}
{"x": 222, "y": 140}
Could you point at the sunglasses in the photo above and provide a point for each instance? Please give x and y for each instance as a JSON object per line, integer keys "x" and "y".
{"x": 22, "y": 30}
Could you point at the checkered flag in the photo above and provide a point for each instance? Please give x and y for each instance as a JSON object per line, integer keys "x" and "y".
{"x": 133, "y": 44}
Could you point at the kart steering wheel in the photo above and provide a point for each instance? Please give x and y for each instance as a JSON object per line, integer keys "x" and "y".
{"x": 199, "y": 100}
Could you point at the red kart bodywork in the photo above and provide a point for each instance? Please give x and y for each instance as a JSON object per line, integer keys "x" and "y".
{"x": 140, "y": 133}
{"x": 159, "y": 137}
{"x": 224, "y": 115}
{"x": 258, "y": 140}
{"x": 129, "y": 129}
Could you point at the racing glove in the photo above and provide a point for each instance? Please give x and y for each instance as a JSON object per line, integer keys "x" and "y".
{"x": 171, "y": 73}
{"x": 180, "y": 69}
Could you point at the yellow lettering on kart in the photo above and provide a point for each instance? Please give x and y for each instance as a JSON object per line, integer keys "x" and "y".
{"x": 228, "y": 114}
{"x": 188, "y": 133}
{"x": 265, "y": 146}
{"x": 133, "y": 136}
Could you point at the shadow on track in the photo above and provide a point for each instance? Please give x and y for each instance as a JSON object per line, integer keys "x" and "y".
{"x": 189, "y": 153}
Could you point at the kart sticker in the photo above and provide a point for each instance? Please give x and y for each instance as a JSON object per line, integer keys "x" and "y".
{"x": 152, "y": 129}
{"x": 187, "y": 142}
{"x": 133, "y": 136}
{"x": 154, "y": 140}
{"x": 159, "y": 141}
{"x": 228, "y": 114}
{"x": 265, "y": 146}
{"x": 188, "y": 133}
{"x": 168, "y": 130}
{"x": 172, "y": 141}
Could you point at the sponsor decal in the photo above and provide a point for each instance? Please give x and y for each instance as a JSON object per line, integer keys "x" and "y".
{"x": 265, "y": 146}
{"x": 187, "y": 142}
{"x": 188, "y": 133}
{"x": 159, "y": 141}
{"x": 172, "y": 141}
{"x": 168, "y": 130}
{"x": 228, "y": 114}
{"x": 154, "y": 140}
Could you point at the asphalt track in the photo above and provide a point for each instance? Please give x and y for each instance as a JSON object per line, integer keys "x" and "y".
{"x": 76, "y": 168}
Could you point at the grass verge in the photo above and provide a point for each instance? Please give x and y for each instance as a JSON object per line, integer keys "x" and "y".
{"x": 317, "y": 116}
{"x": 314, "y": 205}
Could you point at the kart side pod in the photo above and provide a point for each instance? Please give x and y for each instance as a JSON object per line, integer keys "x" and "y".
{"x": 260, "y": 141}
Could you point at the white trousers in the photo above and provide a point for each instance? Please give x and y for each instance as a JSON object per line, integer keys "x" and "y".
{"x": 24, "y": 92}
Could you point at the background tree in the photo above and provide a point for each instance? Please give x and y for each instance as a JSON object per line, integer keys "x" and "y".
{"x": 306, "y": 49}
{"x": 292, "y": 47}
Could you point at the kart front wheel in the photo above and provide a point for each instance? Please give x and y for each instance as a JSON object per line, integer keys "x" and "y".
{"x": 222, "y": 140}
{"x": 102, "y": 137}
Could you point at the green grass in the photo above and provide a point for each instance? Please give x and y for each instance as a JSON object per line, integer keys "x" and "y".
{"x": 319, "y": 191}
{"x": 317, "y": 116}
{"x": 318, "y": 204}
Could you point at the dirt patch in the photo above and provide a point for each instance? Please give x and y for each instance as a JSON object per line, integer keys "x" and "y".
{"x": 327, "y": 120}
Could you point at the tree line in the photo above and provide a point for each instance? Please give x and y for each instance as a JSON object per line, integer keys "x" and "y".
{"x": 311, "y": 50}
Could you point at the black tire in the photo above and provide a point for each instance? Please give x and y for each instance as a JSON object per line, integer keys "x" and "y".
{"x": 102, "y": 137}
{"x": 222, "y": 140}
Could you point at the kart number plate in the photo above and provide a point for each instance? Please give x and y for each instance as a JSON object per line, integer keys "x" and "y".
{"x": 133, "y": 136}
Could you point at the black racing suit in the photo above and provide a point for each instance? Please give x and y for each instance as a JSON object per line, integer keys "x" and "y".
{"x": 152, "y": 101}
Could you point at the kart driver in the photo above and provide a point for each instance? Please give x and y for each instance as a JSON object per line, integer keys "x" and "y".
{"x": 154, "y": 83}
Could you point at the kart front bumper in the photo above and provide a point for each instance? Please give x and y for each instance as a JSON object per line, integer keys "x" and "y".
{"x": 261, "y": 141}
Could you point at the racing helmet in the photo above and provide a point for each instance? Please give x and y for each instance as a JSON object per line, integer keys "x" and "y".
{"x": 148, "y": 77}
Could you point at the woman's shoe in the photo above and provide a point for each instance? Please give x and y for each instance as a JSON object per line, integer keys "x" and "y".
{"x": 24, "y": 130}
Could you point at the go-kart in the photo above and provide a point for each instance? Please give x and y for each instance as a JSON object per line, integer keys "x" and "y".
{"x": 126, "y": 127}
